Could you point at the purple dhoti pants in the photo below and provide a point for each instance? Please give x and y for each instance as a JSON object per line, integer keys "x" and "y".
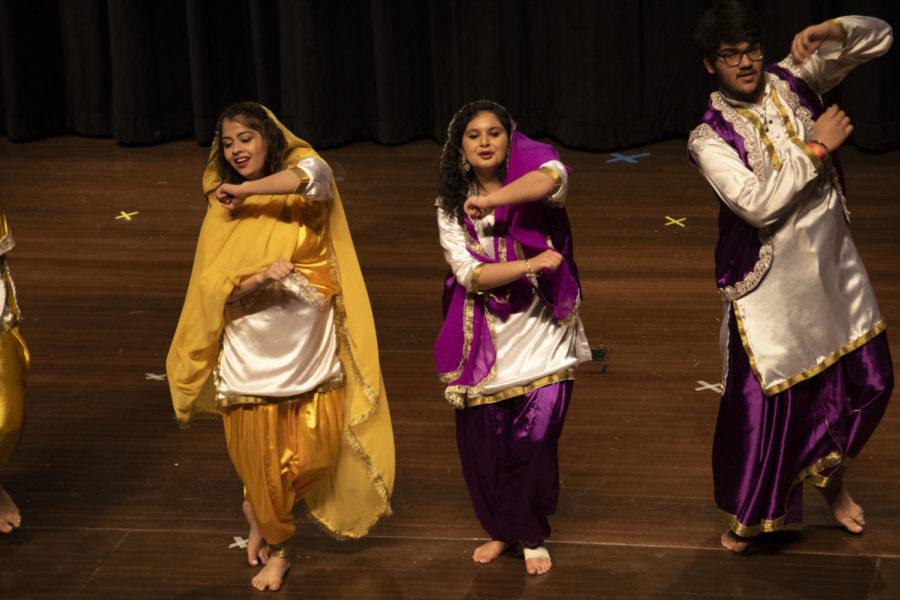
{"x": 765, "y": 447}
{"x": 509, "y": 460}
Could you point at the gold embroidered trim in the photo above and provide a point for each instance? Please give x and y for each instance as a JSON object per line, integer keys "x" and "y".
{"x": 763, "y": 135}
{"x": 745, "y": 341}
{"x": 810, "y": 372}
{"x": 458, "y": 395}
{"x": 792, "y": 132}
{"x": 7, "y": 243}
{"x": 813, "y": 472}
{"x": 372, "y": 397}
{"x": 788, "y": 64}
{"x": 703, "y": 132}
{"x": 828, "y": 361}
{"x": 564, "y": 375}
{"x": 223, "y": 401}
{"x": 468, "y": 334}
{"x": 743, "y": 128}
{"x": 805, "y": 117}
{"x": 730, "y": 293}
{"x": 309, "y": 292}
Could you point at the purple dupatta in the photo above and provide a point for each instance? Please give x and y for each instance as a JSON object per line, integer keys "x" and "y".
{"x": 464, "y": 351}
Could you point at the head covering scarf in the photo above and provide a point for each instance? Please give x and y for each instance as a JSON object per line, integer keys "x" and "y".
{"x": 465, "y": 355}
{"x": 357, "y": 493}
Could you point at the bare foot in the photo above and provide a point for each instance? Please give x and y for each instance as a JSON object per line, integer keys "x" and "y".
{"x": 487, "y": 552}
{"x": 846, "y": 512}
{"x": 537, "y": 560}
{"x": 256, "y": 546}
{"x": 9, "y": 513}
{"x": 271, "y": 575}
{"x": 735, "y": 542}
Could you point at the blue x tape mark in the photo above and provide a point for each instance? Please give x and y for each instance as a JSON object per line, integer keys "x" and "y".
{"x": 629, "y": 158}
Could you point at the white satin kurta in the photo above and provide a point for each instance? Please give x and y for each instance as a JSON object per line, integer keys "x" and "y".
{"x": 530, "y": 345}
{"x": 815, "y": 302}
{"x": 283, "y": 343}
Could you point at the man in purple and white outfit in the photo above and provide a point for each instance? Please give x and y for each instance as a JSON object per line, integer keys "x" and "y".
{"x": 807, "y": 372}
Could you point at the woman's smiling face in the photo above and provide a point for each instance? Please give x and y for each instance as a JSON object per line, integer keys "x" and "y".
{"x": 244, "y": 147}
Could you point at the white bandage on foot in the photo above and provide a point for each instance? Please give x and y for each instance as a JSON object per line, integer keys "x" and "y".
{"x": 539, "y": 552}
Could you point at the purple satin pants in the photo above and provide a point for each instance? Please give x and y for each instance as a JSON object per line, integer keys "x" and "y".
{"x": 509, "y": 461}
{"x": 765, "y": 447}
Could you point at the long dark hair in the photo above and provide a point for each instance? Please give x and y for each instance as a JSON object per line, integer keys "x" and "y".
{"x": 255, "y": 117}
{"x": 455, "y": 182}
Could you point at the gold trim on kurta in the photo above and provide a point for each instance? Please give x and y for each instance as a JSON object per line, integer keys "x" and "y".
{"x": 228, "y": 401}
{"x": 807, "y": 373}
{"x": 792, "y": 133}
{"x": 763, "y": 135}
{"x": 812, "y": 472}
{"x": 564, "y": 375}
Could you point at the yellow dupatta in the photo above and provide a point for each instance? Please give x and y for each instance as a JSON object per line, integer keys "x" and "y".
{"x": 357, "y": 492}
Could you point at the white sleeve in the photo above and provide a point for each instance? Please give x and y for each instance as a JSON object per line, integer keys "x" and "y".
{"x": 558, "y": 172}
{"x": 321, "y": 180}
{"x": 759, "y": 203}
{"x": 453, "y": 242}
{"x": 865, "y": 38}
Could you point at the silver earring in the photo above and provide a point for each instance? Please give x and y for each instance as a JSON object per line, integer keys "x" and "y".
{"x": 464, "y": 164}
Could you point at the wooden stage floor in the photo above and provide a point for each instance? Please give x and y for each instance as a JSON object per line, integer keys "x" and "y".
{"x": 119, "y": 502}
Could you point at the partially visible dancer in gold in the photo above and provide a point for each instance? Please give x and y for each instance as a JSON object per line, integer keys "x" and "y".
{"x": 277, "y": 336}
{"x": 14, "y": 361}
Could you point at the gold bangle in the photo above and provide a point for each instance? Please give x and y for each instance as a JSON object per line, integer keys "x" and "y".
{"x": 528, "y": 267}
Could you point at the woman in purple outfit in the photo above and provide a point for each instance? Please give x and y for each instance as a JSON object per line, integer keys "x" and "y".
{"x": 511, "y": 337}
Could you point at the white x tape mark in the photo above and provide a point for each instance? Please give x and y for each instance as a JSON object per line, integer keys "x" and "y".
{"x": 155, "y": 376}
{"x": 716, "y": 387}
{"x": 239, "y": 542}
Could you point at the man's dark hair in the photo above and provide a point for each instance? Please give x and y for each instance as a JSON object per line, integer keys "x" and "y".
{"x": 729, "y": 22}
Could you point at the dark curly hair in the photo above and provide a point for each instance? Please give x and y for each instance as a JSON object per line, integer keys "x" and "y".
{"x": 726, "y": 21}
{"x": 255, "y": 117}
{"x": 455, "y": 182}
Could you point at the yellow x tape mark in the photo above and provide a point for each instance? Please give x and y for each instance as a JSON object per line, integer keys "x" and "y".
{"x": 126, "y": 215}
{"x": 679, "y": 222}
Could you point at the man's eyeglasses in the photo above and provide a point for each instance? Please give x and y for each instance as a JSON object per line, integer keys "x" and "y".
{"x": 733, "y": 58}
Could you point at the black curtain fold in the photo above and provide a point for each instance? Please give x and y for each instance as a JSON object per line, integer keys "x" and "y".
{"x": 592, "y": 74}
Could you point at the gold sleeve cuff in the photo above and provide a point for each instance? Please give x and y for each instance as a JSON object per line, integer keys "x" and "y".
{"x": 843, "y": 29}
{"x": 476, "y": 275}
{"x": 554, "y": 175}
{"x": 303, "y": 176}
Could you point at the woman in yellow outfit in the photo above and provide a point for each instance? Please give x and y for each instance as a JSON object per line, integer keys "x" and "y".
{"x": 277, "y": 336}
{"x": 14, "y": 361}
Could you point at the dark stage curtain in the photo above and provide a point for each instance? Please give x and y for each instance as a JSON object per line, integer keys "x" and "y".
{"x": 591, "y": 74}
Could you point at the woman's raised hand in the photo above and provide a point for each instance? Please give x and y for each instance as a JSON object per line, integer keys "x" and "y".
{"x": 278, "y": 270}
{"x": 231, "y": 196}
{"x": 548, "y": 260}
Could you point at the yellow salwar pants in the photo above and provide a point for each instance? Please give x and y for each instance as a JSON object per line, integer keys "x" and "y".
{"x": 280, "y": 451}
{"x": 13, "y": 364}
